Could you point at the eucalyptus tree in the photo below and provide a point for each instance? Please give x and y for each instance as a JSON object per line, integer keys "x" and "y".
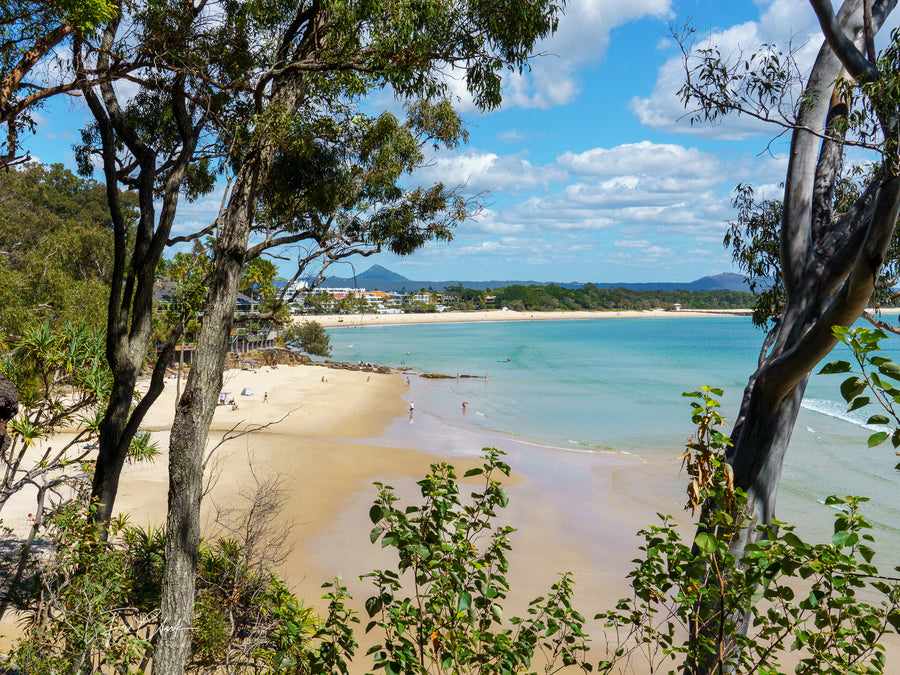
{"x": 312, "y": 58}
{"x": 150, "y": 143}
{"x": 829, "y": 257}
{"x": 190, "y": 121}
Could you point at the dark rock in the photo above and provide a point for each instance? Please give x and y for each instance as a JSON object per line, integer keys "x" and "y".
{"x": 9, "y": 400}
{"x": 441, "y": 376}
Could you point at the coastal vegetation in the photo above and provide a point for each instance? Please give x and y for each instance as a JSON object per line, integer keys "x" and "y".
{"x": 552, "y": 297}
{"x": 56, "y": 248}
{"x": 309, "y": 337}
{"x": 268, "y": 95}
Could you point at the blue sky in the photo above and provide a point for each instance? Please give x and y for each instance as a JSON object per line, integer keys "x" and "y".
{"x": 593, "y": 173}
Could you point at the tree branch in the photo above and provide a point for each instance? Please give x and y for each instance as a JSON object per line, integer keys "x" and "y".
{"x": 27, "y": 62}
{"x": 859, "y": 67}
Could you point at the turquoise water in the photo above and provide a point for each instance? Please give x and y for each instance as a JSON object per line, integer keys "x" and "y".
{"x": 614, "y": 386}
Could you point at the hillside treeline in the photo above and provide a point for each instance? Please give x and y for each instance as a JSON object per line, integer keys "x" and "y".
{"x": 589, "y": 297}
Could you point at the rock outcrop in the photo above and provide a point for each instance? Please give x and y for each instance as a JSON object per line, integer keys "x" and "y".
{"x": 9, "y": 406}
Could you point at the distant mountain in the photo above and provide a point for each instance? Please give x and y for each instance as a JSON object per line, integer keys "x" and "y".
{"x": 378, "y": 278}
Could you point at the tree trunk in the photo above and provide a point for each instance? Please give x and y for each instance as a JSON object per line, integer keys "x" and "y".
{"x": 193, "y": 416}
{"x": 829, "y": 266}
{"x": 112, "y": 438}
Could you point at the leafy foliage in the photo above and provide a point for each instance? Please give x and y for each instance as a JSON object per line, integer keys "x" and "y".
{"x": 308, "y": 336}
{"x": 753, "y": 240}
{"x": 440, "y": 609}
{"x": 55, "y": 248}
{"x": 872, "y": 383}
{"x": 63, "y": 381}
{"x": 740, "y": 616}
{"x": 92, "y": 604}
{"x": 81, "y": 619}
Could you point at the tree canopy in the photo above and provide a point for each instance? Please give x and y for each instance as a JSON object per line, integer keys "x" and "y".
{"x": 239, "y": 89}
{"x": 56, "y": 246}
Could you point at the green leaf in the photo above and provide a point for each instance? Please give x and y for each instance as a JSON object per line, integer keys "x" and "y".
{"x": 376, "y": 513}
{"x": 878, "y": 419}
{"x": 840, "y": 538}
{"x": 504, "y": 497}
{"x": 465, "y": 601}
{"x": 497, "y": 613}
{"x": 858, "y": 402}
{"x": 813, "y": 598}
{"x": 705, "y": 542}
{"x": 473, "y": 472}
{"x": 375, "y": 533}
{"x": 877, "y": 438}
{"x": 890, "y": 369}
{"x": 851, "y": 388}
{"x": 835, "y": 367}
{"x": 373, "y": 605}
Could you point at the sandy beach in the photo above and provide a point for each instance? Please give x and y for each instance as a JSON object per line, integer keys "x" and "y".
{"x": 334, "y": 320}
{"x": 328, "y": 434}
{"x": 329, "y": 440}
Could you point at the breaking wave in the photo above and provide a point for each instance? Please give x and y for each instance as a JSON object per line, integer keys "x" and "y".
{"x": 839, "y": 411}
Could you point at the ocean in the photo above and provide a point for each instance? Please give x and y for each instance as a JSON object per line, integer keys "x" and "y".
{"x": 613, "y": 386}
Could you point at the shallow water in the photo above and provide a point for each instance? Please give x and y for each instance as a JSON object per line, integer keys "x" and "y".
{"x": 614, "y": 386}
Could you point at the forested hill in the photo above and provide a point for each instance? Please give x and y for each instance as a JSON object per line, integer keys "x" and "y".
{"x": 378, "y": 278}
{"x": 553, "y": 297}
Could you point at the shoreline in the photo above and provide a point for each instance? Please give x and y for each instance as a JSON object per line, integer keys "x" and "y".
{"x": 355, "y": 320}
{"x": 354, "y": 429}
{"x": 574, "y": 511}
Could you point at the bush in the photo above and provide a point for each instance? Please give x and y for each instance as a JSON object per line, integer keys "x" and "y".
{"x": 308, "y": 337}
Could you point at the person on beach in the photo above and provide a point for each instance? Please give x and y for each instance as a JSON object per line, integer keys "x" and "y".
{"x": 412, "y": 407}
{"x": 465, "y": 403}
{"x": 407, "y": 381}
{"x": 265, "y": 397}
{"x": 234, "y": 405}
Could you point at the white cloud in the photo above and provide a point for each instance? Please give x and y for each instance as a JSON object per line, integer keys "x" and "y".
{"x": 487, "y": 171}
{"x": 631, "y": 243}
{"x": 642, "y": 158}
{"x": 581, "y": 39}
{"x": 513, "y": 136}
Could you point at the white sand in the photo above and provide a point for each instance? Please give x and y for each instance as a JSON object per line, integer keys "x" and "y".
{"x": 332, "y": 320}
